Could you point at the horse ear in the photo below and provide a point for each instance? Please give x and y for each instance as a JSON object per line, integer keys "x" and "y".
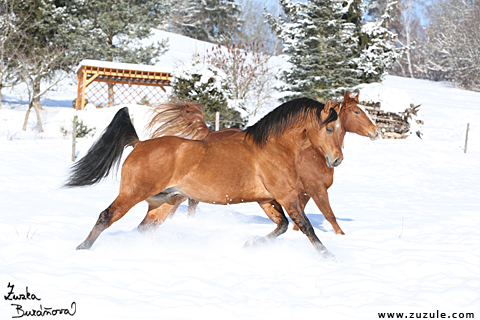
{"x": 328, "y": 106}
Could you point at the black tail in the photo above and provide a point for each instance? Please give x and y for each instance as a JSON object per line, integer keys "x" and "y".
{"x": 105, "y": 153}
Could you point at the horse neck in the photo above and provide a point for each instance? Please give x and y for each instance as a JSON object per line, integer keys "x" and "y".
{"x": 294, "y": 139}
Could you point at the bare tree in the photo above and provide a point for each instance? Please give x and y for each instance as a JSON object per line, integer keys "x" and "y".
{"x": 255, "y": 28}
{"x": 245, "y": 73}
{"x": 406, "y": 23}
{"x": 453, "y": 40}
{"x": 45, "y": 66}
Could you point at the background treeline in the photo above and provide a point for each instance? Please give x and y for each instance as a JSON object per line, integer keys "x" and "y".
{"x": 331, "y": 45}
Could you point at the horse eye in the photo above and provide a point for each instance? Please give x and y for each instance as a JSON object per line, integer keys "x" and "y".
{"x": 329, "y": 130}
{"x": 357, "y": 112}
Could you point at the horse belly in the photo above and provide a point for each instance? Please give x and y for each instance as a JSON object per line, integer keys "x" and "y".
{"x": 231, "y": 194}
{"x": 232, "y": 180}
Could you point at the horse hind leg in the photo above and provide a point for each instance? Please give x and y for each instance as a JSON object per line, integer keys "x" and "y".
{"x": 192, "y": 206}
{"x": 160, "y": 207}
{"x": 275, "y": 212}
{"x": 107, "y": 217}
{"x": 178, "y": 202}
{"x": 156, "y": 215}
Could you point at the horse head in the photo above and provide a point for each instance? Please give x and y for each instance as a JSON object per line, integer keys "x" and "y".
{"x": 354, "y": 119}
{"x": 329, "y": 138}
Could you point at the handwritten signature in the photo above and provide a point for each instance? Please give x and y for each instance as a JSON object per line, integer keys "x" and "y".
{"x": 41, "y": 311}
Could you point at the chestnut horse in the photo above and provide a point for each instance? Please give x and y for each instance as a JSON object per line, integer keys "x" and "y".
{"x": 256, "y": 165}
{"x": 315, "y": 176}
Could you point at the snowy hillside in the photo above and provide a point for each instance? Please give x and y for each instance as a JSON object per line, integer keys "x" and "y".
{"x": 410, "y": 210}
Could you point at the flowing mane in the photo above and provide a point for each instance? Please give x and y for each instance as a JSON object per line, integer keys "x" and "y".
{"x": 282, "y": 117}
{"x": 178, "y": 118}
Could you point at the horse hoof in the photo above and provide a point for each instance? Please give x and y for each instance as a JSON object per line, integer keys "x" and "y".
{"x": 256, "y": 243}
{"x": 327, "y": 255}
{"x": 248, "y": 244}
{"x": 147, "y": 227}
{"x": 84, "y": 246}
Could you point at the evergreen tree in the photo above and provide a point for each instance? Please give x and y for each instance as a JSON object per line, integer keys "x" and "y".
{"x": 216, "y": 21}
{"x": 10, "y": 26}
{"x": 321, "y": 52}
{"x": 113, "y": 30}
{"x": 376, "y": 43}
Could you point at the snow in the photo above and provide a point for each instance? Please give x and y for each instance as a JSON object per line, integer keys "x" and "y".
{"x": 409, "y": 208}
{"x": 392, "y": 99}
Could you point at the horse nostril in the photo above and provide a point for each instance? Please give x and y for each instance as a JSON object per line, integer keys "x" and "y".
{"x": 337, "y": 162}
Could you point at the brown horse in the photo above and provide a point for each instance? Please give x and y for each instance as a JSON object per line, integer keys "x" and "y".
{"x": 257, "y": 165}
{"x": 315, "y": 176}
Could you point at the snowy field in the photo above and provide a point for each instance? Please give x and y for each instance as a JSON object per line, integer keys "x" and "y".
{"x": 410, "y": 210}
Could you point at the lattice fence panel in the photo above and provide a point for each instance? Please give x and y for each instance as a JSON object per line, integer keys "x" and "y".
{"x": 103, "y": 94}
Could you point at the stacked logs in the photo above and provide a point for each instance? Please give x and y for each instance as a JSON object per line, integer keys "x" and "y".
{"x": 393, "y": 125}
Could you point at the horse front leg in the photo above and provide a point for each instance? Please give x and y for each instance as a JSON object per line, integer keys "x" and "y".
{"x": 321, "y": 200}
{"x": 304, "y": 198}
{"x": 294, "y": 209}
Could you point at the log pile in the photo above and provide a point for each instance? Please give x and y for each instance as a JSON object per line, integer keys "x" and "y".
{"x": 393, "y": 125}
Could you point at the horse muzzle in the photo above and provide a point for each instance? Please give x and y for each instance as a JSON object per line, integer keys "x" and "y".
{"x": 376, "y": 135}
{"x": 333, "y": 162}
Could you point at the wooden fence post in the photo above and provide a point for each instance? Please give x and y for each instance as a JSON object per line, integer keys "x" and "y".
{"x": 74, "y": 136}
{"x": 466, "y": 138}
{"x": 217, "y": 121}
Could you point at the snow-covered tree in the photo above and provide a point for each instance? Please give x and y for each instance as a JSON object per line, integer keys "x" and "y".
{"x": 216, "y": 21}
{"x": 199, "y": 82}
{"x": 377, "y": 49}
{"x": 333, "y": 45}
{"x": 404, "y": 21}
{"x": 318, "y": 42}
{"x": 236, "y": 81}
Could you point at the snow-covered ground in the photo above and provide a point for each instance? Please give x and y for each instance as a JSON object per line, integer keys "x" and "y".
{"x": 410, "y": 210}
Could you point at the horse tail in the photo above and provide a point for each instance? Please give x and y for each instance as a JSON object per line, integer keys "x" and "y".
{"x": 178, "y": 118}
{"x": 105, "y": 153}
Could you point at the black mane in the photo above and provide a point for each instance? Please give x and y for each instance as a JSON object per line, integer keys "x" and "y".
{"x": 284, "y": 116}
